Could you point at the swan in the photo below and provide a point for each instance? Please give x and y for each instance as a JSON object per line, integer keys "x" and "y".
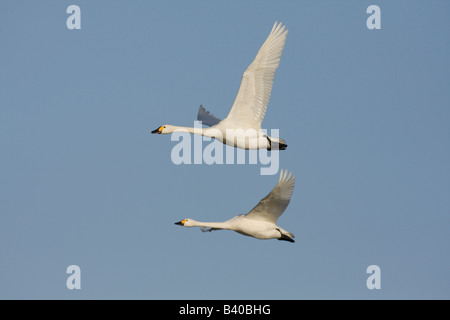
{"x": 260, "y": 222}
{"x": 242, "y": 126}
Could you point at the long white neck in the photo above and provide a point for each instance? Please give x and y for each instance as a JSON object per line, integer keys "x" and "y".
{"x": 216, "y": 225}
{"x": 209, "y": 132}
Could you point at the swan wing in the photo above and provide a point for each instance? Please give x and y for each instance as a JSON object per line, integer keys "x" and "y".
{"x": 273, "y": 205}
{"x": 206, "y": 117}
{"x": 250, "y": 105}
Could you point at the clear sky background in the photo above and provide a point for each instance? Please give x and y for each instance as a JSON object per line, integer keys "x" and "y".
{"x": 365, "y": 113}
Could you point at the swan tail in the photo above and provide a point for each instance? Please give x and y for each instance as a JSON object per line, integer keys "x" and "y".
{"x": 276, "y": 144}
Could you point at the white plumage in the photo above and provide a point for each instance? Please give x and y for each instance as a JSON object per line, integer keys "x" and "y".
{"x": 250, "y": 105}
{"x": 251, "y": 102}
{"x": 261, "y": 221}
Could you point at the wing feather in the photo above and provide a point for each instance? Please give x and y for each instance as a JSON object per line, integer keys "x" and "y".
{"x": 251, "y": 102}
{"x": 206, "y": 117}
{"x": 275, "y": 203}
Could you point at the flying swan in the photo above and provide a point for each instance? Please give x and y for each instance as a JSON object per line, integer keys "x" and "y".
{"x": 260, "y": 222}
{"x": 242, "y": 127}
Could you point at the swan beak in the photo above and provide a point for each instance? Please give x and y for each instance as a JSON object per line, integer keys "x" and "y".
{"x": 159, "y": 130}
{"x": 180, "y": 223}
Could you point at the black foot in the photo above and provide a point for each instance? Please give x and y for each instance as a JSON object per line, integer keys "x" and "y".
{"x": 281, "y": 146}
{"x": 286, "y": 238}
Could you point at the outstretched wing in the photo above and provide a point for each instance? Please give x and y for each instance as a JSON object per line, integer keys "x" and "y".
{"x": 206, "y": 117}
{"x": 273, "y": 205}
{"x": 250, "y": 106}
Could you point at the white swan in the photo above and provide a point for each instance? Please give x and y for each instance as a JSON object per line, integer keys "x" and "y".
{"x": 260, "y": 222}
{"x": 242, "y": 127}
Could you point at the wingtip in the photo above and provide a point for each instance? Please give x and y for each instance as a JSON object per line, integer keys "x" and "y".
{"x": 286, "y": 175}
{"x": 279, "y": 27}
{"x": 281, "y": 176}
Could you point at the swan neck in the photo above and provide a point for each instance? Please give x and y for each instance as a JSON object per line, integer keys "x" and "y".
{"x": 218, "y": 225}
{"x": 199, "y": 131}
{"x": 208, "y": 132}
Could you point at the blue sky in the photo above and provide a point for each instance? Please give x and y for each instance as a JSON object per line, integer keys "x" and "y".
{"x": 83, "y": 182}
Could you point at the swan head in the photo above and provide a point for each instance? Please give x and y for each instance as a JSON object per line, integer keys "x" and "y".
{"x": 185, "y": 223}
{"x": 164, "y": 129}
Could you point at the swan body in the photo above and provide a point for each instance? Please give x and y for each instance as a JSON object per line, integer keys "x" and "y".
{"x": 249, "y": 139}
{"x": 242, "y": 127}
{"x": 260, "y": 222}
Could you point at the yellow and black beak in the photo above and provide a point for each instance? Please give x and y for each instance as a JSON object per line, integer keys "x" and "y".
{"x": 180, "y": 223}
{"x": 159, "y": 130}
